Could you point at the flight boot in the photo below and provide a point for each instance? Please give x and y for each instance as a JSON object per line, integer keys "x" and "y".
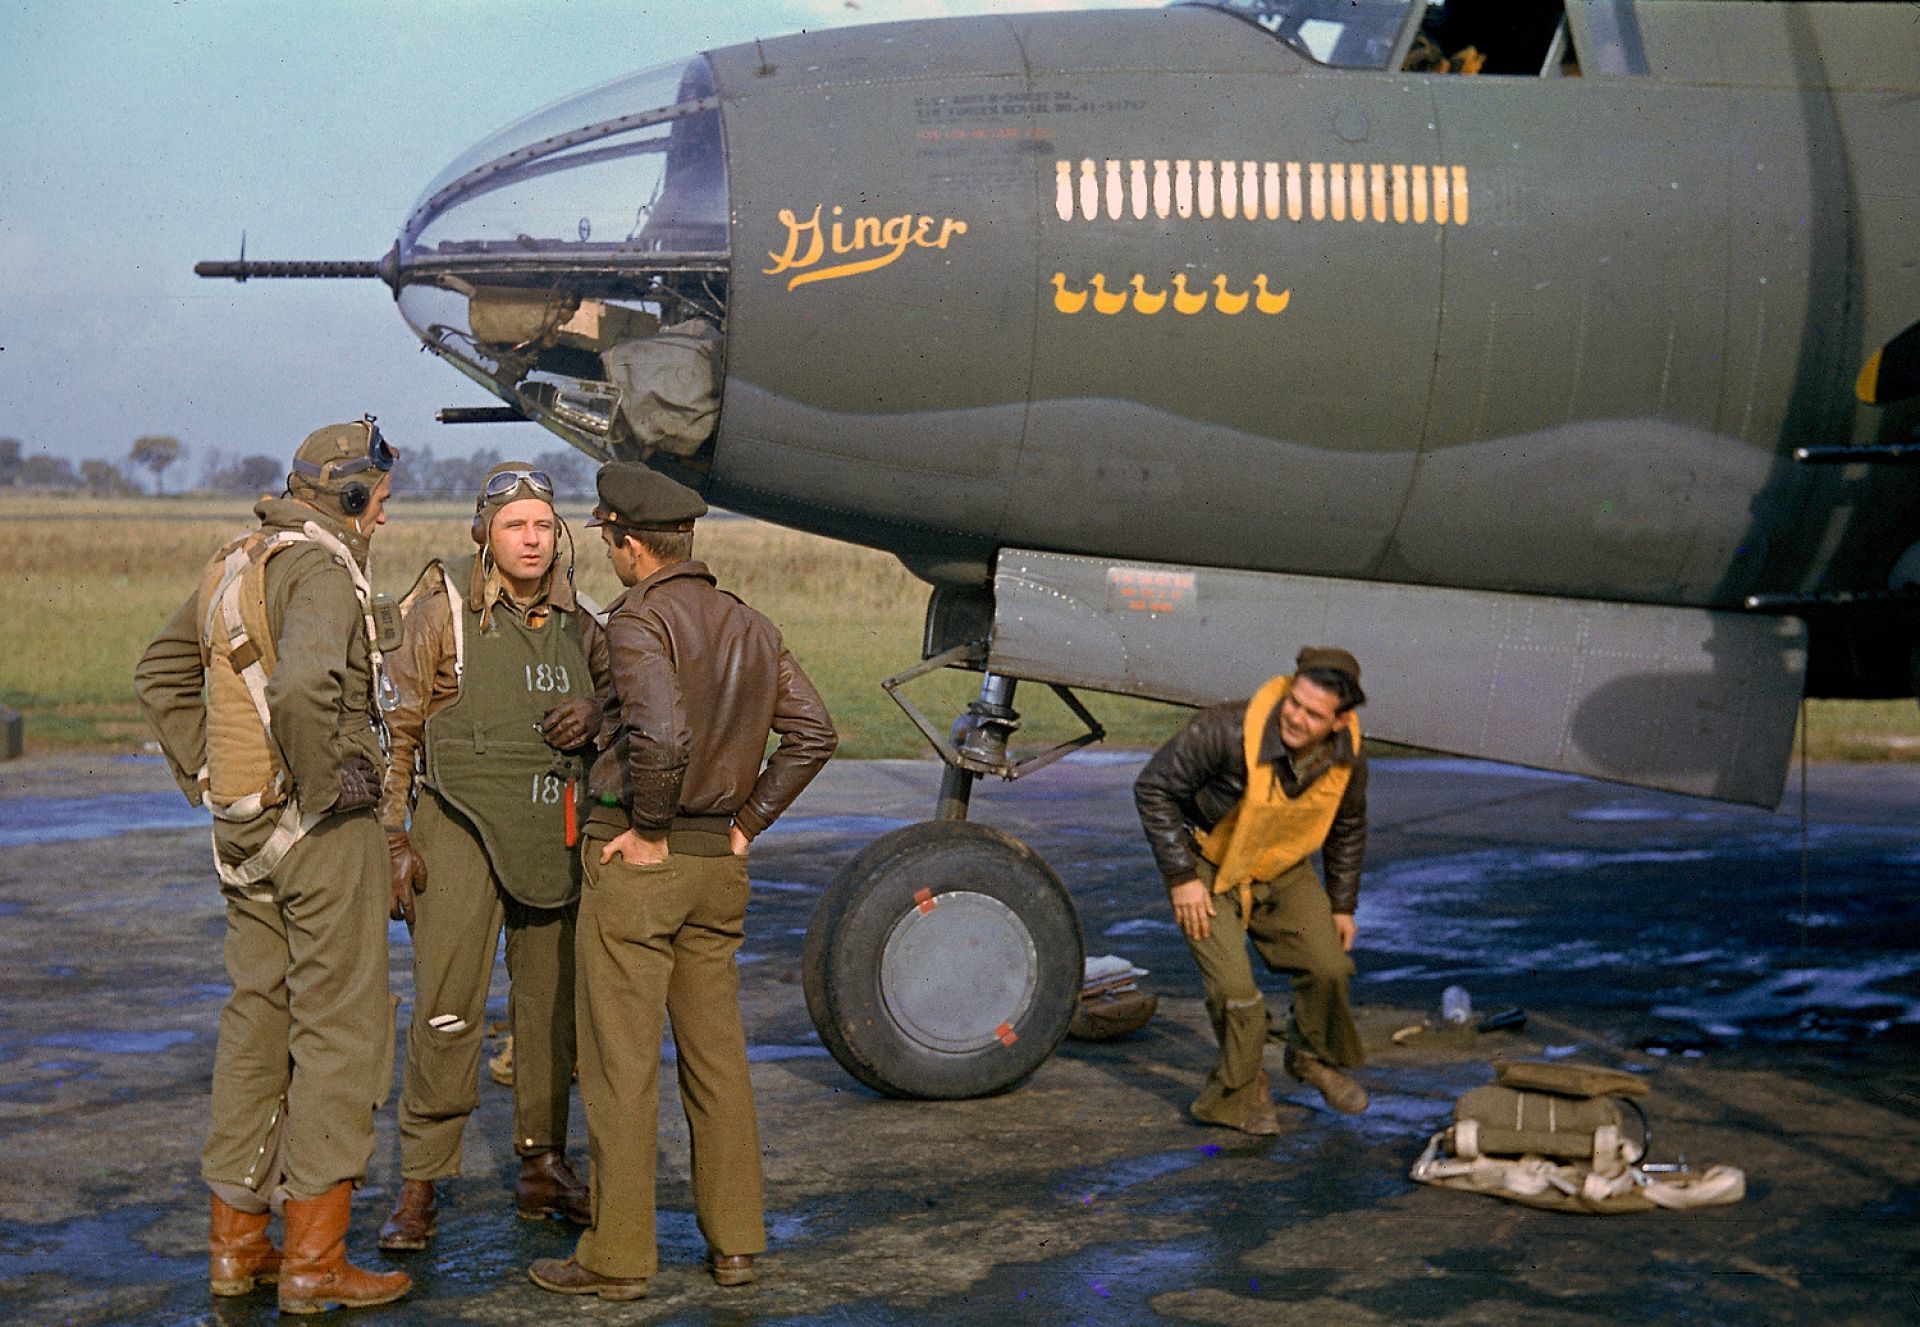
{"x": 1334, "y": 1087}
{"x": 316, "y": 1275}
{"x": 730, "y": 1269}
{"x": 564, "y": 1276}
{"x": 239, "y": 1252}
{"x": 1260, "y": 1118}
{"x": 414, "y": 1219}
{"x": 548, "y": 1187}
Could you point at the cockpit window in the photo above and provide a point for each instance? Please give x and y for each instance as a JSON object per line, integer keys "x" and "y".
{"x": 1524, "y": 37}
{"x": 1347, "y": 34}
{"x": 575, "y": 264}
{"x": 596, "y": 168}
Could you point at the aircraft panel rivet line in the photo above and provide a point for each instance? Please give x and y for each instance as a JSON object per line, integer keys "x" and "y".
{"x": 1116, "y": 188}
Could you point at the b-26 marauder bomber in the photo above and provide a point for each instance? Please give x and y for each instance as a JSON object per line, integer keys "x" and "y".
{"x": 1559, "y": 361}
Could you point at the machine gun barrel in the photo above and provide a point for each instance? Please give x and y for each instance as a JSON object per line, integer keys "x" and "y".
{"x": 385, "y": 269}
{"x": 246, "y": 269}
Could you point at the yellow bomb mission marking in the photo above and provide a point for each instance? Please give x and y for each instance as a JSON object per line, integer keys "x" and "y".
{"x": 808, "y": 242}
{"x": 1251, "y": 190}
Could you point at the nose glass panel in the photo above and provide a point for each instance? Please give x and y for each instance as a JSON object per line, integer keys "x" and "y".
{"x": 575, "y": 264}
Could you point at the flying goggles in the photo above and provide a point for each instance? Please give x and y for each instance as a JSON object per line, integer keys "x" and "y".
{"x": 508, "y": 480}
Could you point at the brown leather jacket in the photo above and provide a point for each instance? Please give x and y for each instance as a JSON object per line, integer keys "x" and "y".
{"x": 422, "y": 669}
{"x": 1201, "y": 774}
{"x": 699, "y": 680}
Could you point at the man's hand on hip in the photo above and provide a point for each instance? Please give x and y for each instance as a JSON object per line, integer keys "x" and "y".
{"x": 737, "y": 840}
{"x": 1192, "y": 906}
{"x": 635, "y": 850}
{"x": 359, "y": 785}
{"x": 1343, "y": 924}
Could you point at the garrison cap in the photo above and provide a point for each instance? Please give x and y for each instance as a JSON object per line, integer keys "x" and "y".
{"x": 1327, "y": 656}
{"x": 638, "y": 498}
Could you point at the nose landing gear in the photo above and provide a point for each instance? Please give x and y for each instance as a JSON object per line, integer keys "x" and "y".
{"x": 946, "y": 959}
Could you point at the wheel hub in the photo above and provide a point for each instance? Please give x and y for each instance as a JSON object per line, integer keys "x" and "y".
{"x": 958, "y": 971}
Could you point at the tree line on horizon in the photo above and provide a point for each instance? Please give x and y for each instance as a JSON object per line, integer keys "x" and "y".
{"x": 422, "y": 474}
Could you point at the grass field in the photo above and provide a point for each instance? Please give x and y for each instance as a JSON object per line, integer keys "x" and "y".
{"x": 97, "y": 579}
{"x": 94, "y": 580}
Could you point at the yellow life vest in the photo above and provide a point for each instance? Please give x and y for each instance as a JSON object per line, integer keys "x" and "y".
{"x": 1268, "y": 832}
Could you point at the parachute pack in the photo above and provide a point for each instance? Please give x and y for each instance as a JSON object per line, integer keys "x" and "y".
{"x": 1558, "y": 1136}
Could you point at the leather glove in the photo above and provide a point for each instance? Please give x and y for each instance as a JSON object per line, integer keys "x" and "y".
{"x": 359, "y": 785}
{"x": 406, "y": 875}
{"x": 571, "y": 723}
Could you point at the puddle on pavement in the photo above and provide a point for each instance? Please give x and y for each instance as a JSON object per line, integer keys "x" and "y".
{"x": 118, "y": 1043}
{"x": 29, "y": 820}
{"x": 92, "y": 1250}
{"x": 1716, "y": 934}
{"x": 862, "y": 826}
{"x": 1093, "y": 1186}
{"x": 1104, "y": 1283}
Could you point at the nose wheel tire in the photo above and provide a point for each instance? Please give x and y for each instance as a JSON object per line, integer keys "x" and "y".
{"x": 944, "y": 962}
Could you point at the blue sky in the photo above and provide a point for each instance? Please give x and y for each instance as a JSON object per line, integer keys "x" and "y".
{"x": 141, "y": 136}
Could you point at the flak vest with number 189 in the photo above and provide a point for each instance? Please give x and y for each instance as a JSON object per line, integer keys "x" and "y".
{"x": 485, "y": 755}
{"x": 1268, "y": 832}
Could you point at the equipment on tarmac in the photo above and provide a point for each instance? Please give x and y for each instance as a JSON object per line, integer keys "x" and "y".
{"x": 1111, "y": 1001}
{"x": 1555, "y": 1136}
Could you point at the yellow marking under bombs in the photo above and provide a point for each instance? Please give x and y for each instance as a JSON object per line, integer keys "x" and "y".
{"x": 1218, "y": 292}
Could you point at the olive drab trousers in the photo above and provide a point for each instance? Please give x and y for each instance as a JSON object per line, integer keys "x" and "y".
{"x": 660, "y": 940}
{"x": 305, "y": 1054}
{"x": 458, "y": 919}
{"x": 1291, "y": 925}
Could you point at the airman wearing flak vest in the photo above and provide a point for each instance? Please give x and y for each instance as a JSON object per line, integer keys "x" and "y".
{"x": 1234, "y": 807}
{"x": 263, "y": 691}
{"x": 681, "y": 787}
{"x": 496, "y": 684}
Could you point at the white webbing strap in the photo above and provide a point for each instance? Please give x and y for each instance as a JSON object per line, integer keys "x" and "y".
{"x": 459, "y": 625}
{"x": 292, "y": 826}
{"x": 223, "y": 615}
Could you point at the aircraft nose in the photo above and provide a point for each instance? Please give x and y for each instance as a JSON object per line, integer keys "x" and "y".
{"x": 576, "y": 264}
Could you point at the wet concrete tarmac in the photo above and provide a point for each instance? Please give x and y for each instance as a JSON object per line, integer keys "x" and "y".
{"x": 1764, "y": 978}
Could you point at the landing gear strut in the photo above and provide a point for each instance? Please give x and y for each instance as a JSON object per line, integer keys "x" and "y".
{"x": 946, "y": 958}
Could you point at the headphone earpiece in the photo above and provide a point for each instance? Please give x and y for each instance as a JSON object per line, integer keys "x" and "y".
{"x": 355, "y": 497}
{"x": 479, "y": 528}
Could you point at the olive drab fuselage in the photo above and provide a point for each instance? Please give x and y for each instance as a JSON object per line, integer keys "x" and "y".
{"x": 485, "y": 755}
{"x": 1229, "y": 314}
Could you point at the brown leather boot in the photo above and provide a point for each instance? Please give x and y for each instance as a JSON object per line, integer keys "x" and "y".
{"x": 1262, "y": 1118}
{"x": 414, "y": 1218}
{"x": 1338, "y": 1090}
{"x": 548, "y": 1187}
{"x": 316, "y": 1275}
{"x": 730, "y": 1269}
{"x": 239, "y": 1253}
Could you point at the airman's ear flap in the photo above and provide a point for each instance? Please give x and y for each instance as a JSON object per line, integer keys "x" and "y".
{"x": 480, "y": 528}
